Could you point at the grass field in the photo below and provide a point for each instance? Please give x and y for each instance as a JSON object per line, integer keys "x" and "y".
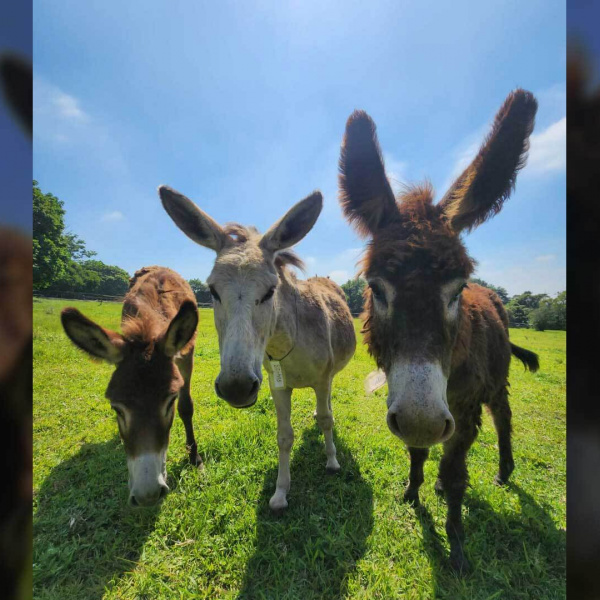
{"x": 343, "y": 536}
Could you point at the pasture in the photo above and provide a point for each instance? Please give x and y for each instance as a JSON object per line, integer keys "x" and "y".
{"x": 343, "y": 536}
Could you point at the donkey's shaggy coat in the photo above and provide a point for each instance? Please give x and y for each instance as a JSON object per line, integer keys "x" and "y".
{"x": 442, "y": 343}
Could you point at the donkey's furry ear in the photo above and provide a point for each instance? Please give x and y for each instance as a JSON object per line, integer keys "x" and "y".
{"x": 181, "y": 329}
{"x": 17, "y": 83}
{"x": 296, "y": 223}
{"x": 90, "y": 337}
{"x": 480, "y": 191}
{"x": 195, "y": 223}
{"x": 365, "y": 193}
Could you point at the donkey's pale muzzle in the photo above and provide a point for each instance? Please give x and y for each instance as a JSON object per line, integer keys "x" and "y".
{"x": 418, "y": 412}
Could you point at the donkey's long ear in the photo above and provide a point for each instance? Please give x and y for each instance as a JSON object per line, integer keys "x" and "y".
{"x": 95, "y": 340}
{"x": 365, "y": 192}
{"x": 17, "y": 84}
{"x": 195, "y": 223}
{"x": 181, "y": 329}
{"x": 488, "y": 181}
{"x": 296, "y": 223}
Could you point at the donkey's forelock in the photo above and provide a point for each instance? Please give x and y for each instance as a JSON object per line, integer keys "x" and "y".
{"x": 422, "y": 239}
{"x": 242, "y": 235}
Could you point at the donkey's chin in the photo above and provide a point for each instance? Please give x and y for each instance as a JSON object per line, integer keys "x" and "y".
{"x": 251, "y": 402}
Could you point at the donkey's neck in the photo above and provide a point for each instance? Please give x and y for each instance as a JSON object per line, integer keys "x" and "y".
{"x": 285, "y": 332}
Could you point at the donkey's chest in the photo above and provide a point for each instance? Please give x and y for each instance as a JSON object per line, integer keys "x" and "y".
{"x": 299, "y": 369}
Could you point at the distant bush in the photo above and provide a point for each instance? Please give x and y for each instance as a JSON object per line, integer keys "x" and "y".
{"x": 550, "y": 314}
{"x": 354, "y": 288}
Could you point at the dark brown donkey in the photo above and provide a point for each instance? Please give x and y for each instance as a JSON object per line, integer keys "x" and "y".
{"x": 154, "y": 358}
{"x": 442, "y": 343}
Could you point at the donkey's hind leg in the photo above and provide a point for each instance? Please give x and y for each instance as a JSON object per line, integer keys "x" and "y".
{"x": 324, "y": 416}
{"x": 502, "y": 415}
{"x": 418, "y": 456}
{"x": 185, "y": 408}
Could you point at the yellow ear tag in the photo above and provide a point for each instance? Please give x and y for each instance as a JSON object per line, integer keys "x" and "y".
{"x": 277, "y": 377}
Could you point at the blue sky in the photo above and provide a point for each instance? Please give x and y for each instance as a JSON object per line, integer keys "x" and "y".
{"x": 242, "y": 106}
{"x": 15, "y": 147}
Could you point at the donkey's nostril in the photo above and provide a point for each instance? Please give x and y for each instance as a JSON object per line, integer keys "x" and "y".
{"x": 217, "y": 390}
{"x": 448, "y": 429}
{"x": 163, "y": 491}
{"x": 133, "y": 501}
{"x": 255, "y": 386}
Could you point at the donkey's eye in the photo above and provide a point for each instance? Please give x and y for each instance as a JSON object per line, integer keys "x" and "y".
{"x": 457, "y": 295}
{"x": 214, "y": 294}
{"x": 377, "y": 292}
{"x": 268, "y": 295}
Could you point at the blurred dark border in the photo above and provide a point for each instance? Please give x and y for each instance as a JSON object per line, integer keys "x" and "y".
{"x": 16, "y": 344}
{"x": 583, "y": 283}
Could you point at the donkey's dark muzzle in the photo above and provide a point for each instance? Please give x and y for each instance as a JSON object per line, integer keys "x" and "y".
{"x": 239, "y": 392}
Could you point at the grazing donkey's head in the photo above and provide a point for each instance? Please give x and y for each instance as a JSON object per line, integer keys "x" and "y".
{"x": 143, "y": 387}
{"x": 416, "y": 265}
{"x": 243, "y": 284}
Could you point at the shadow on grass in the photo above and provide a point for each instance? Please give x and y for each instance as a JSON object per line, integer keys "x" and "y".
{"x": 517, "y": 557}
{"x": 309, "y": 551}
{"x": 85, "y": 534}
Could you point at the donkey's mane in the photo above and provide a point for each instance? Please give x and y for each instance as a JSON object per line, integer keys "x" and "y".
{"x": 241, "y": 234}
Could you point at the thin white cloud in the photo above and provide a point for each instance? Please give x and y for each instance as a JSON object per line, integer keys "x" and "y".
{"x": 548, "y": 152}
{"x": 545, "y": 257}
{"x": 52, "y": 102}
{"x": 68, "y": 106}
{"x": 339, "y": 276}
{"x": 116, "y": 215}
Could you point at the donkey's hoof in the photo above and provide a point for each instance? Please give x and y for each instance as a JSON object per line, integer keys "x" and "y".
{"x": 500, "y": 480}
{"x": 411, "y": 497}
{"x": 333, "y": 467}
{"x": 459, "y": 564}
{"x": 196, "y": 460}
{"x": 278, "y": 503}
{"x": 439, "y": 487}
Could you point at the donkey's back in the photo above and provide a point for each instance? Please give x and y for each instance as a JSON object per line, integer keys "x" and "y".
{"x": 156, "y": 294}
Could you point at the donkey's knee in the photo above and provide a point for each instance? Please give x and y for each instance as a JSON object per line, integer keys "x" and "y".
{"x": 325, "y": 422}
{"x": 285, "y": 440}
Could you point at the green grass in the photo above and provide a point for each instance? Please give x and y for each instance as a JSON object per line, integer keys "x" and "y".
{"x": 343, "y": 536}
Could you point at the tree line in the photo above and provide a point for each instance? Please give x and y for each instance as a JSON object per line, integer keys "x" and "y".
{"x": 62, "y": 263}
{"x": 537, "y": 311}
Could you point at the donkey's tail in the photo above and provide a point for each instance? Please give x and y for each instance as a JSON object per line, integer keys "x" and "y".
{"x": 529, "y": 359}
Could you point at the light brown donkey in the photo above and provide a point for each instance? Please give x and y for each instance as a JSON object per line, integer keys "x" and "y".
{"x": 301, "y": 331}
{"x": 154, "y": 358}
{"x": 443, "y": 343}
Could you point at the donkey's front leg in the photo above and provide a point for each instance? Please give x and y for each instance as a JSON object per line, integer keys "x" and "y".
{"x": 418, "y": 456}
{"x": 185, "y": 408}
{"x": 285, "y": 440}
{"x": 324, "y": 416}
{"x": 454, "y": 477}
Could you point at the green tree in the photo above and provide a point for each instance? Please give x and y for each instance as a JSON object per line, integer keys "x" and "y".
{"x": 550, "y": 314}
{"x": 502, "y": 293}
{"x": 354, "y": 289}
{"x": 51, "y": 248}
{"x": 200, "y": 290}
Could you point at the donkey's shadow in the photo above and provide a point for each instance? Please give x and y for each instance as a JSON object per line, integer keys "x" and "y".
{"x": 309, "y": 551}
{"x": 85, "y": 534}
{"x": 530, "y": 539}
